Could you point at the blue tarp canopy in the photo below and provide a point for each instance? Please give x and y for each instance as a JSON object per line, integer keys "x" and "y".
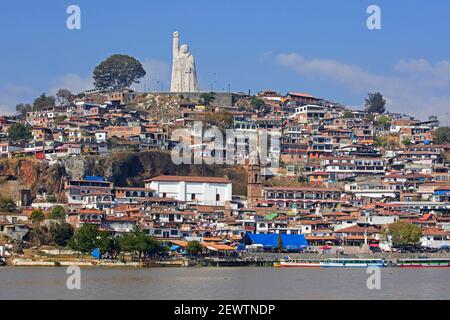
{"x": 270, "y": 241}
{"x": 94, "y": 178}
{"x": 174, "y": 247}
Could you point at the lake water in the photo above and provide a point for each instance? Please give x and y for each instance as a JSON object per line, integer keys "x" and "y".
{"x": 223, "y": 283}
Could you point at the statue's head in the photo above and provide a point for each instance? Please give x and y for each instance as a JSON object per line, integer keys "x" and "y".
{"x": 184, "y": 48}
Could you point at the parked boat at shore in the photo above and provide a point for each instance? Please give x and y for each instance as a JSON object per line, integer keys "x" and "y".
{"x": 423, "y": 263}
{"x": 330, "y": 263}
{"x": 298, "y": 263}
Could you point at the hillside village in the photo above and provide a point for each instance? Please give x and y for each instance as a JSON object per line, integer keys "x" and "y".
{"x": 344, "y": 175}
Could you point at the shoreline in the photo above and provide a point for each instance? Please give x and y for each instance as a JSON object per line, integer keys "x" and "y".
{"x": 246, "y": 260}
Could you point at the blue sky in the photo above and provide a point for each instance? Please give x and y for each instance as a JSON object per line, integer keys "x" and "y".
{"x": 321, "y": 47}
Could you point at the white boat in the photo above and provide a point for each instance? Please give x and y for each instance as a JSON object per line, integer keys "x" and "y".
{"x": 298, "y": 263}
{"x": 353, "y": 263}
{"x": 330, "y": 263}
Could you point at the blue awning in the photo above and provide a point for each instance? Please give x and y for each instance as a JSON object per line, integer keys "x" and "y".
{"x": 270, "y": 241}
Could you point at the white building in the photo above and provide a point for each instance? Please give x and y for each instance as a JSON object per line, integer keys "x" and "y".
{"x": 371, "y": 190}
{"x": 379, "y": 219}
{"x": 194, "y": 189}
{"x": 435, "y": 238}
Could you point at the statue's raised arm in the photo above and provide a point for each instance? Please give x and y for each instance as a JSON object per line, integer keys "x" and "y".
{"x": 176, "y": 48}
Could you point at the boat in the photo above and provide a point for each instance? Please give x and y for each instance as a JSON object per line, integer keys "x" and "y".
{"x": 297, "y": 263}
{"x": 330, "y": 263}
{"x": 353, "y": 263}
{"x": 423, "y": 263}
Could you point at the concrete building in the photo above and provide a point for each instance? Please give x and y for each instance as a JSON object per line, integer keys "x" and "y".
{"x": 193, "y": 189}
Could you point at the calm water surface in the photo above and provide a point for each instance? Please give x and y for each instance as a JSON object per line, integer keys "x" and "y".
{"x": 223, "y": 283}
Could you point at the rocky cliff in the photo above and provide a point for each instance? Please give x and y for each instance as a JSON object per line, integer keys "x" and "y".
{"x": 124, "y": 169}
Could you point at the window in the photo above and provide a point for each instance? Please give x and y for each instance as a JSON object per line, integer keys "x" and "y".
{"x": 164, "y": 195}
{"x": 173, "y": 232}
{"x": 193, "y": 196}
{"x": 217, "y": 197}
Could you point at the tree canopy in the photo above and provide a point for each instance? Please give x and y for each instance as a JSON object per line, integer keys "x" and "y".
{"x": 37, "y": 215}
{"x": 442, "y": 135}
{"x": 43, "y": 101}
{"x": 403, "y": 233}
{"x": 64, "y": 96}
{"x": 280, "y": 243}
{"x": 86, "y": 238}
{"x": 117, "y": 72}
{"x": 257, "y": 104}
{"x": 375, "y": 103}
{"x": 384, "y": 122}
{"x": 58, "y": 213}
{"x": 138, "y": 241}
{"x": 193, "y": 248}
{"x": 222, "y": 119}
{"x": 7, "y": 205}
{"x": 19, "y": 132}
{"x": 207, "y": 98}
{"x": 61, "y": 233}
{"x": 23, "y": 108}
{"x": 347, "y": 114}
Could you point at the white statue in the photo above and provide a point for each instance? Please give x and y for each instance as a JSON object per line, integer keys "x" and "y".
{"x": 184, "y": 76}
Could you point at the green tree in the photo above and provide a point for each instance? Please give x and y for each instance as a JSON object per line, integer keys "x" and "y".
{"x": 37, "y": 216}
{"x": 207, "y": 98}
{"x": 43, "y": 101}
{"x": 108, "y": 244}
{"x": 50, "y": 198}
{"x": 117, "y": 72}
{"x": 375, "y": 103}
{"x": 406, "y": 142}
{"x": 194, "y": 248}
{"x": 138, "y": 241}
{"x": 441, "y": 135}
{"x": 7, "y": 205}
{"x": 86, "y": 238}
{"x": 64, "y": 96}
{"x": 280, "y": 243}
{"x": 58, "y": 213}
{"x": 23, "y": 108}
{"x": 403, "y": 233}
{"x": 61, "y": 233}
{"x": 347, "y": 114}
{"x": 19, "y": 132}
{"x": 257, "y": 104}
{"x": 384, "y": 122}
{"x": 223, "y": 120}
{"x": 39, "y": 235}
